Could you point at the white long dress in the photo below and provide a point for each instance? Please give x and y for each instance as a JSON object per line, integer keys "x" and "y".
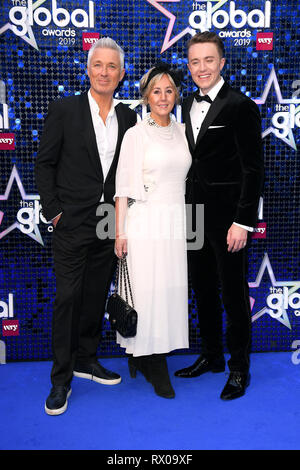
{"x": 152, "y": 169}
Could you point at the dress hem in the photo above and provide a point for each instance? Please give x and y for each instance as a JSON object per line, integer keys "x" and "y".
{"x": 156, "y": 351}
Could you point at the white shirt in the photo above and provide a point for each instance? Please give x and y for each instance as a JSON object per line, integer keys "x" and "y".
{"x": 198, "y": 113}
{"x": 200, "y": 110}
{"x": 106, "y": 134}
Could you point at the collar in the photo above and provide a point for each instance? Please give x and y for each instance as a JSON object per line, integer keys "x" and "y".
{"x": 95, "y": 108}
{"x": 215, "y": 89}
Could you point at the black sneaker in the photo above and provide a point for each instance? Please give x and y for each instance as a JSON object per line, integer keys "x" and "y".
{"x": 97, "y": 373}
{"x": 57, "y": 401}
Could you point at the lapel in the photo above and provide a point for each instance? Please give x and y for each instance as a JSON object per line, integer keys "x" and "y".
{"x": 219, "y": 102}
{"x": 121, "y": 131}
{"x": 90, "y": 138}
{"x": 187, "y": 121}
{"x": 89, "y": 134}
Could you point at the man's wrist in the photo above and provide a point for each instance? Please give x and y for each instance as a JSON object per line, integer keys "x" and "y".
{"x": 250, "y": 229}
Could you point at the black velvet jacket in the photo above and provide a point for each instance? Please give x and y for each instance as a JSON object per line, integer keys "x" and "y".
{"x": 227, "y": 170}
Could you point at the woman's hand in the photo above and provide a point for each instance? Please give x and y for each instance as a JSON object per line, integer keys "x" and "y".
{"x": 121, "y": 246}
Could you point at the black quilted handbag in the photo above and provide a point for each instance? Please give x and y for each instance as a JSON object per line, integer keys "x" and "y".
{"x": 122, "y": 315}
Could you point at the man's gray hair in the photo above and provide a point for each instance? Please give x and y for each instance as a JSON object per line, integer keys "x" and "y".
{"x": 106, "y": 43}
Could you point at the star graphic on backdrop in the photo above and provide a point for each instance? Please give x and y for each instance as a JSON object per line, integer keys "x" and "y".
{"x": 29, "y": 37}
{"x": 272, "y": 80}
{"x": 293, "y": 287}
{"x": 132, "y": 103}
{"x": 168, "y": 42}
{"x": 35, "y": 235}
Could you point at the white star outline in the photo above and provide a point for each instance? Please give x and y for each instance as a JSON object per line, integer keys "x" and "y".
{"x": 14, "y": 176}
{"x": 293, "y": 287}
{"x": 272, "y": 80}
{"x": 29, "y": 38}
{"x": 167, "y": 42}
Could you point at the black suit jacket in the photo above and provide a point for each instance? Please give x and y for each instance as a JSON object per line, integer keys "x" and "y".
{"x": 68, "y": 169}
{"x": 227, "y": 170}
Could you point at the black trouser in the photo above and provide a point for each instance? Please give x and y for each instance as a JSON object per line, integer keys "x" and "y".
{"x": 84, "y": 266}
{"x": 213, "y": 270}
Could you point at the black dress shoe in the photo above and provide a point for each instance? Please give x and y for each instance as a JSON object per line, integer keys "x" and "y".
{"x": 97, "y": 373}
{"x": 57, "y": 401}
{"x": 236, "y": 385}
{"x": 201, "y": 366}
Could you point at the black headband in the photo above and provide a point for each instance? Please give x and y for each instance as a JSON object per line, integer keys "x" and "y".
{"x": 162, "y": 67}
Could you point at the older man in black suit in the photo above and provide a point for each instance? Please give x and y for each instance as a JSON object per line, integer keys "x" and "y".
{"x": 223, "y": 127}
{"x": 75, "y": 172}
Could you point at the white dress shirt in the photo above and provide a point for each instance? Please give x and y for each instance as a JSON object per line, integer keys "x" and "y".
{"x": 106, "y": 134}
{"x": 200, "y": 110}
{"x": 198, "y": 113}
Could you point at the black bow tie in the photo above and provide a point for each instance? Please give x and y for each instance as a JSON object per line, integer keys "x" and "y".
{"x": 200, "y": 98}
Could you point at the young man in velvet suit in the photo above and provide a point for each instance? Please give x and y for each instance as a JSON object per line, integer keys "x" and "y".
{"x": 223, "y": 128}
{"x": 75, "y": 172}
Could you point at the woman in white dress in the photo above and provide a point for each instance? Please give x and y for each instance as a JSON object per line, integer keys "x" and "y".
{"x": 150, "y": 228}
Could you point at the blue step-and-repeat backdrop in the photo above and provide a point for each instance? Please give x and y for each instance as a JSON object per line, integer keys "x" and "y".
{"x": 44, "y": 46}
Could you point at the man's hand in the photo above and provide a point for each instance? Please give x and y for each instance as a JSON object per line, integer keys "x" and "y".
{"x": 55, "y": 220}
{"x": 236, "y": 238}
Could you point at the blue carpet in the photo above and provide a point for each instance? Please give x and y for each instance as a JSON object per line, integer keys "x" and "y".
{"x": 130, "y": 416}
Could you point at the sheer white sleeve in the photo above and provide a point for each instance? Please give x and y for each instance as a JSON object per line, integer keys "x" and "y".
{"x": 129, "y": 175}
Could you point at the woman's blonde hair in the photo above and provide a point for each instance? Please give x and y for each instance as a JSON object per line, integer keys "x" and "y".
{"x": 145, "y": 88}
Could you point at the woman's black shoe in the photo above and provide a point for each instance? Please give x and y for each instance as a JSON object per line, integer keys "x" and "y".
{"x": 159, "y": 376}
{"x": 138, "y": 364}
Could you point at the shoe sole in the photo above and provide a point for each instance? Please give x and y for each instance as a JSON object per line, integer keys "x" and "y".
{"x": 58, "y": 411}
{"x": 81, "y": 375}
